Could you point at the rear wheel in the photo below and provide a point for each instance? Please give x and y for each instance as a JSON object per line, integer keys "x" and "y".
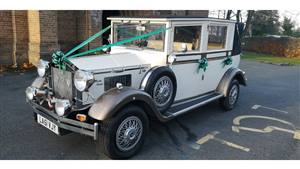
{"x": 123, "y": 135}
{"x": 229, "y": 102}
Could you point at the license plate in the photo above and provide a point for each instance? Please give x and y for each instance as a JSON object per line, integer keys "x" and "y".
{"x": 47, "y": 123}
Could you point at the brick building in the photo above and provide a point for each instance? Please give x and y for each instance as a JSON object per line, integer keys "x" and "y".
{"x": 26, "y": 36}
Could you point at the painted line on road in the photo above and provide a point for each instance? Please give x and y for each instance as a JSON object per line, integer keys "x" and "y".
{"x": 257, "y": 106}
{"x": 212, "y": 136}
{"x": 236, "y": 128}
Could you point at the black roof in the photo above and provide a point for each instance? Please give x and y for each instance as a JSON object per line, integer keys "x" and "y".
{"x": 170, "y": 17}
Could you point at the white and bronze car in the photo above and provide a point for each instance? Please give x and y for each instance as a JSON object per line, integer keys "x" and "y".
{"x": 156, "y": 68}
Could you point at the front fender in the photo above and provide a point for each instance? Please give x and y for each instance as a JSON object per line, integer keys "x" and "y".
{"x": 230, "y": 74}
{"x": 108, "y": 104}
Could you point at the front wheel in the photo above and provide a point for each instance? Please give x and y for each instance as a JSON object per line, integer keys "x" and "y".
{"x": 123, "y": 135}
{"x": 229, "y": 102}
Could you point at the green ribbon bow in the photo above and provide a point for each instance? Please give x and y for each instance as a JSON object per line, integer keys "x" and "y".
{"x": 227, "y": 61}
{"x": 58, "y": 59}
{"x": 203, "y": 63}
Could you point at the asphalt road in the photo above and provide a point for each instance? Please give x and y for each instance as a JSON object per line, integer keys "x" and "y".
{"x": 269, "y": 107}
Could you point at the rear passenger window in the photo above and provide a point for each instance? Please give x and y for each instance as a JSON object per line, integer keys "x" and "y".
{"x": 216, "y": 37}
{"x": 186, "y": 38}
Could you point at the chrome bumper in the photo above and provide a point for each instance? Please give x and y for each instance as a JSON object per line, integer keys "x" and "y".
{"x": 65, "y": 123}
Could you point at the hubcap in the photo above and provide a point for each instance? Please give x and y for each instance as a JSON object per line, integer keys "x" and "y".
{"x": 233, "y": 94}
{"x": 129, "y": 133}
{"x": 163, "y": 91}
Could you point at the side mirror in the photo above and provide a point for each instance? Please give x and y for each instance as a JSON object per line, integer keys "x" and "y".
{"x": 183, "y": 47}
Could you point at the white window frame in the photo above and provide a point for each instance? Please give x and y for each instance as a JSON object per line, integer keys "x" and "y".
{"x": 165, "y": 50}
{"x": 181, "y": 24}
{"x": 228, "y": 40}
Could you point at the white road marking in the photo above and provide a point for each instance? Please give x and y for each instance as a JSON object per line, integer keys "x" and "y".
{"x": 297, "y": 135}
{"x": 212, "y": 136}
{"x": 236, "y": 128}
{"x": 256, "y": 106}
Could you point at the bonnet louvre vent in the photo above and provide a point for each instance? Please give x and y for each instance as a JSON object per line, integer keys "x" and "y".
{"x": 110, "y": 82}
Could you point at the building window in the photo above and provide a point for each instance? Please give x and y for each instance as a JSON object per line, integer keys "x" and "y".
{"x": 216, "y": 37}
{"x": 187, "y": 38}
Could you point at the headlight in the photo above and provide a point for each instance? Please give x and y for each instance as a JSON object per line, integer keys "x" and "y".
{"x": 30, "y": 92}
{"x": 41, "y": 67}
{"x": 81, "y": 79}
{"x": 61, "y": 106}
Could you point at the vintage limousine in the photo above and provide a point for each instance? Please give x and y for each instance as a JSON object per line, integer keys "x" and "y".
{"x": 112, "y": 96}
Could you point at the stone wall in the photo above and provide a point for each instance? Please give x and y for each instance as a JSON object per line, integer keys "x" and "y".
{"x": 283, "y": 46}
{"x": 6, "y": 37}
{"x": 40, "y": 33}
{"x": 48, "y": 32}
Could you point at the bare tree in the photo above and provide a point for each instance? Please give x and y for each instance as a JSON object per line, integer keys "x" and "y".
{"x": 238, "y": 16}
{"x": 248, "y": 28}
{"x": 228, "y": 16}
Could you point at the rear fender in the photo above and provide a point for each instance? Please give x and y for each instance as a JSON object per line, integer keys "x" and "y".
{"x": 230, "y": 74}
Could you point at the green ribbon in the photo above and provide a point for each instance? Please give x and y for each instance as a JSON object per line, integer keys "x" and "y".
{"x": 120, "y": 42}
{"x": 227, "y": 61}
{"x": 203, "y": 63}
{"x": 87, "y": 41}
{"x": 59, "y": 57}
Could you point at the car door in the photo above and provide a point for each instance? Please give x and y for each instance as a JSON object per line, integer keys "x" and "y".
{"x": 186, "y": 46}
{"x": 216, "y": 48}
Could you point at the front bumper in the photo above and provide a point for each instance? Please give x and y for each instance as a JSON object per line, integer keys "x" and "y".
{"x": 65, "y": 123}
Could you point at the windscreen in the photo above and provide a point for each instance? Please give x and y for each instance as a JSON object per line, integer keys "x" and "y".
{"x": 124, "y": 31}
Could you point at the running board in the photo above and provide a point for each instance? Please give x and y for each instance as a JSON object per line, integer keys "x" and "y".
{"x": 183, "y": 107}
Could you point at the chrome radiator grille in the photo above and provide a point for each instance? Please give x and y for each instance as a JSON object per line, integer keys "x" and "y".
{"x": 62, "y": 83}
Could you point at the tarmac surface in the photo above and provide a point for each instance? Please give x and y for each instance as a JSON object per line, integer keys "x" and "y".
{"x": 264, "y": 125}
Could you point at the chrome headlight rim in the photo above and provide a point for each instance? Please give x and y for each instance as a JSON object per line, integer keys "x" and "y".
{"x": 83, "y": 80}
{"x": 61, "y": 106}
{"x": 41, "y": 67}
{"x": 30, "y": 92}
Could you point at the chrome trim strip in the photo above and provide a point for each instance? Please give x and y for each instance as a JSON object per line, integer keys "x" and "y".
{"x": 201, "y": 53}
{"x": 196, "y": 105}
{"x": 117, "y": 69}
{"x": 177, "y": 62}
{"x": 191, "y": 99}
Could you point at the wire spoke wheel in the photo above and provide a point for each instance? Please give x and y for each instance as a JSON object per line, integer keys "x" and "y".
{"x": 233, "y": 94}
{"x": 129, "y": 133}
{"x": 162, "y": 91}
